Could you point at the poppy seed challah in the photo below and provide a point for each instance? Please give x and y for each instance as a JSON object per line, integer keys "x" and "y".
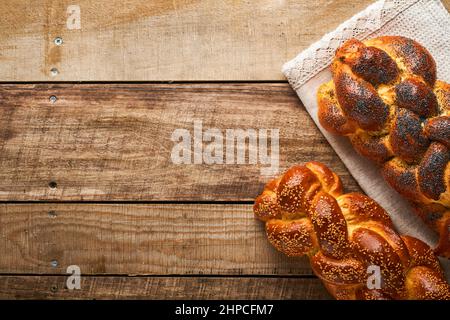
{"x": 385, "y": 97}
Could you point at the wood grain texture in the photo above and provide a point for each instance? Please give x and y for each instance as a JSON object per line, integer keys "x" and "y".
{"x": 137, "y": 239}
{"x": 203, "y": 288}
{"x": 113, "y": 142}
{"x": 162, "y": 40}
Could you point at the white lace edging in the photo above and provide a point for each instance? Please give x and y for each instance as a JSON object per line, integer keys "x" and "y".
{"x": 320, "y": 54}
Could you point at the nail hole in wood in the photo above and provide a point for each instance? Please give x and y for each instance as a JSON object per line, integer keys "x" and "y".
{"x": 54, "y": 72}
{"x": 52, "y": 185}
{"x": 52, "y": 214}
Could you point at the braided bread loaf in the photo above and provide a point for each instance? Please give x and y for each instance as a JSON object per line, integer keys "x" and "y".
{"x": 385, "y": 97}
{"x": 306, "y": 213}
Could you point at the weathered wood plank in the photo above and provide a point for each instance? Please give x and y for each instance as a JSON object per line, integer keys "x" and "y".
{"x": 54, "y": 287}
{"x": 139, "y": 239}
{"x": 114, "y": 142}
{"x": 161, "y": 40}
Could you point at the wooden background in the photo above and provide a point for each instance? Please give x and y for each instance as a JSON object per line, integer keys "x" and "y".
{"x": 88, "y": 180}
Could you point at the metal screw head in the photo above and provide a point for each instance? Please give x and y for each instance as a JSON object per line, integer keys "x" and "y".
{"x": 54, "y": 72}
{"x": 53, "y": 99}
{"x": 54, "y": 263}
{"x": 58, "y": 41}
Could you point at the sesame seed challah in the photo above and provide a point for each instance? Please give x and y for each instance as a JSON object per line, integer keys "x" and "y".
{"x": 306, "y": 213}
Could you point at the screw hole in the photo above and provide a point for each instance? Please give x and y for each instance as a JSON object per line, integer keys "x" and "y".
{"x": 58, "y": 41}
{"x": 52, "y": 185}
{"x": 54, "y": 289}
{"x": 54, "y": 72}
{"x": 52, "y": 214}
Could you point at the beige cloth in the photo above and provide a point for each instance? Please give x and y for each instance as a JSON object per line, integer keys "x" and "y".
{"x": 426, "y": 21}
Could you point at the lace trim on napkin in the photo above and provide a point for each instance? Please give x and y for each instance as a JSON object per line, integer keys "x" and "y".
{"x": 319, "y": 55}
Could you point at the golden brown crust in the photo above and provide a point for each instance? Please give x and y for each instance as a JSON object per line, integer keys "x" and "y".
{"x": 373, "y": 249}
{"x": 415, "y": 95}
{"x": 375, "y": 148}
{"x": 414, "y": 57}
{"x": 344, "y": 271}
{"x": 294, "y": 238}
{"x": 291, "y": 199}
{"x": 306, "y": 213}
{"x": 421, "y": 254}
{"x": 329, "y": 180}
{"x": 431, "y": 171}
{"x": 325, "y": 211}
{"x": 358, "y": 208}
{"x": 374, "y": 64}
{"x": 358, "y": 99}
{"x": 438, "y": 129}
{"x": 438, "y": 217}
{"x": 407, "y": 139}
{"x": 423, "y": 283}
{"x": 330, "y": 113}
{"x": 385, "y": 97}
